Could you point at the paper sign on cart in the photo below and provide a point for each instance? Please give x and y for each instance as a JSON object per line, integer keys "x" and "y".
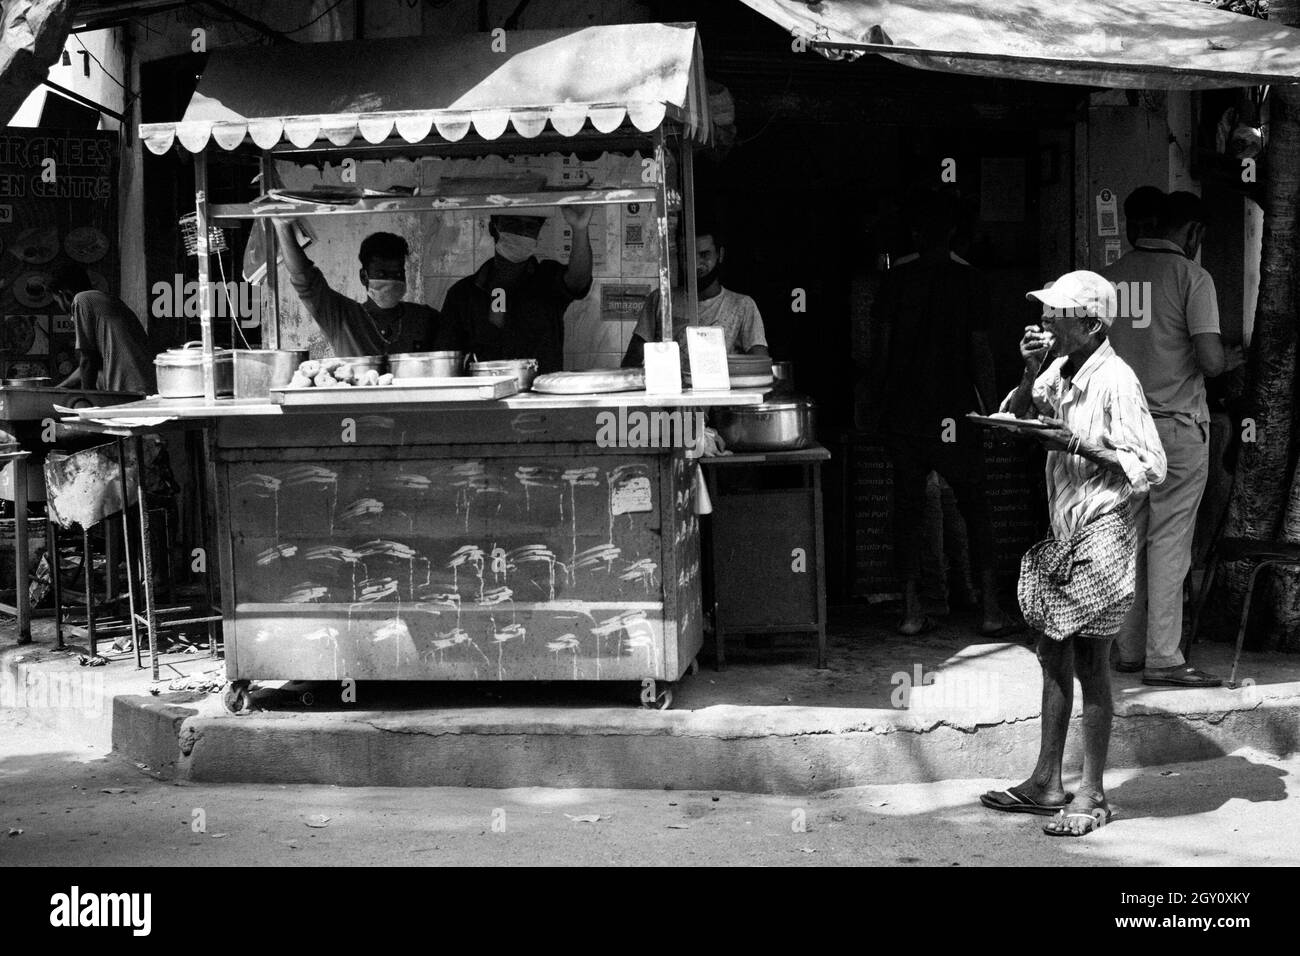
{"x": 708, "y": 353}
{"x": 632, "y": 496}
{"x": 663, "y": 368}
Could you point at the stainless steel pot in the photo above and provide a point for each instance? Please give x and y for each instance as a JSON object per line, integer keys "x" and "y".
{"x": 365, "y": 363}
{"x": 524, "y": 370}
{"x": 771, "y": 426}
{"x": 427, "y": 364}
{"x": 180, "y": 371}
{"x": 257, "y": 371}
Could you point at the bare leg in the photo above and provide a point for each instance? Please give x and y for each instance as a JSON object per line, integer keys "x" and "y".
{"x": 1057, "y": 660}
{"x": 1091, "y": 658}
{"x": 913, "y": 616}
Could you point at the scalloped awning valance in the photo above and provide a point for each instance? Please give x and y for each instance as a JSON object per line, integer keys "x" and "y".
{"x": 416, "y": 87}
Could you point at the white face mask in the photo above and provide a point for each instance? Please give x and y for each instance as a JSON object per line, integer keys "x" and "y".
{"x": 386, "y": 293}
{"x": 515, "y": 248}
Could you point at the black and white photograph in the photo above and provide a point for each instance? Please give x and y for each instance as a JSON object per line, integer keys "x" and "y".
{"x": 649, "y": 434}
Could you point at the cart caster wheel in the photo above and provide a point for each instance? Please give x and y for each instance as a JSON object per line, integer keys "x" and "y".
{"x": 656, "y": 697}
{"x": 237, "y": 698}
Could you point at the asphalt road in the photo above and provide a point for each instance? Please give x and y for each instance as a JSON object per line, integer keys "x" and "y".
{"x": 1230, "y": 811}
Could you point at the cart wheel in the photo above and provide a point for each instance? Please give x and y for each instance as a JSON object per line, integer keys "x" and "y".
{"x": 307, "y": 698}
{"x": 237, "y": 698}
{"x": 656, "y": 695}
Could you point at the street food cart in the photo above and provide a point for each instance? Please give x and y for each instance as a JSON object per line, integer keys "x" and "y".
{"x": 395, "y": 533}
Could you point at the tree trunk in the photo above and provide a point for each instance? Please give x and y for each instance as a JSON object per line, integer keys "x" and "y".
{"x": 1266, "y": 498}
{"x": 32, "y": 34}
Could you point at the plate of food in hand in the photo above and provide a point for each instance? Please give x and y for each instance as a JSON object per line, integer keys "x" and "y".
{"x": 1007, "y": 420}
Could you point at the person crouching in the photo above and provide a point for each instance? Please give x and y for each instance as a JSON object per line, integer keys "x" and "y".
{"x": 1076, "y": 586}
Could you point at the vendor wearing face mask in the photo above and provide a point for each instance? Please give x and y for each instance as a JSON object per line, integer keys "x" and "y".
{"x": 384, "y": 323}
{"x": 513, "y": 307}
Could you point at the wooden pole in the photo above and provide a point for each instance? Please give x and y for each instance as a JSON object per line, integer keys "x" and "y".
{"x": 205, "y": 278}
{"x": 661, "y": 220}
{"x": 272, "y": 255}
{"x": 688, "y": 208}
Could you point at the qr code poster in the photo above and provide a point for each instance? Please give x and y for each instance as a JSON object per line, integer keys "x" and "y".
{"x": 639, "y": 236}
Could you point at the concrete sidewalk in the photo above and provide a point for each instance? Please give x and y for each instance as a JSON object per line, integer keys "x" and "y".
{"x": 888, "y": 710}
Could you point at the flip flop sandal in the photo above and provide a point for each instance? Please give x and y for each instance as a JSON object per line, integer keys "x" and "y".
{"x": 1097, "y": 816}
{"x": 1021, "y": 804}
{"x": 927, "y": 625}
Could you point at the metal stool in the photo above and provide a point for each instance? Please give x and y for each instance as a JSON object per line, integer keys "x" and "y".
{"x": 1266, "y": 553}
{"x": 97, "y": 628}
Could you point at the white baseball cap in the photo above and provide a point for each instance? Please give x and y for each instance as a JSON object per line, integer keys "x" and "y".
{"x": 1082, "y": 293}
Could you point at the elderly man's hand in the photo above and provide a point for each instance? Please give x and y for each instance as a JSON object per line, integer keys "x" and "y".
{"x": 1056, "y": 437}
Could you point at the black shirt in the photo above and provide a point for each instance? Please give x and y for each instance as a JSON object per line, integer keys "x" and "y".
{"x": 533, "y": 311}
{"x": 363, "y": 328}
{"x": 931, "y": 310}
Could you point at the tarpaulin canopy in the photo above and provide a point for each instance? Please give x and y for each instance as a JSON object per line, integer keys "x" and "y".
{"x": 302, "y": 94}
{"x": 1127, "y": 44}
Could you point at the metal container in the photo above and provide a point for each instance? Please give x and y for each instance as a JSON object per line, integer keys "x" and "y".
{"x": 180, "y": 371}
{"x": 783, "y": 377}
{"x": 524, "y": 370}
{"x": 771, "y": 426}
{"x": 365, "y": 363}
{"x": 427, "y": 364}
{"x": 257, "y": 371}
{"x": 37, "y": 382}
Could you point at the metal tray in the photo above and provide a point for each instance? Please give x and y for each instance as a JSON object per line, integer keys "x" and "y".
{"x": 426, "y": 391}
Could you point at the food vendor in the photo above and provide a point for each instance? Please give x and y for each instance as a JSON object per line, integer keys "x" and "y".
{"x": 112, "y": 344}
{"x": 737, "y": 314}
{"x": 384, "y": 324}
{"x": 513, "y": 306}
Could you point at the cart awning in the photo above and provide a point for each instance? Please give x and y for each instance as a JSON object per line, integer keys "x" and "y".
{"x": 303, "y": 94}
{"x": 1127, "y": 44}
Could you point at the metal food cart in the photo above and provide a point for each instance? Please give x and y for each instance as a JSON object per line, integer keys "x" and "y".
{"x": 492, "y": 539}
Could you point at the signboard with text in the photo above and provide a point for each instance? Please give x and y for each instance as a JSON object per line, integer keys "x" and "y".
{"x": 57, "y": 204}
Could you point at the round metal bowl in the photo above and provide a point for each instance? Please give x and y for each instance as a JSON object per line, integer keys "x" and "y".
{"x": 427, "y": 364}
{"x": 523, "y": 370}
{"x": 365, "y": 363}
{"x": 257, "y": 371}
{"x": 771, "y": 426}
{"x": 43, "y": 381}
{"x": 180, "y": 371}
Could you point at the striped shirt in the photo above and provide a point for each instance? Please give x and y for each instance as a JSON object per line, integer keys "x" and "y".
{"x": 1102, "y": 403}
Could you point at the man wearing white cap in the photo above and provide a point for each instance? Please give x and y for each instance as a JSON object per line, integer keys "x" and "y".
{"x": 1076, "y": 586}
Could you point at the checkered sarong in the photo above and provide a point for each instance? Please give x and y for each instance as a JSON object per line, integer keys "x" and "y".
{"x": 1083, "y": 584}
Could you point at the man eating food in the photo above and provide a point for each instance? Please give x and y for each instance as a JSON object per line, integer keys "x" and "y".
{"x": 1076, "y": 586}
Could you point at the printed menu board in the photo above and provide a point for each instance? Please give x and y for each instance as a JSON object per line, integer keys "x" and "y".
{"x": 57, "y": 204}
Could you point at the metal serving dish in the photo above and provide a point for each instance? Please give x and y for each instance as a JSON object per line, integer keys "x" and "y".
{"x": 43, "y": 381}
{"x": 257, "y": 371}
{"x": 523, "y": 370}
{"x": 365, "y": 363}
{"x": 772, "y": 426}
{"x": 426, "y": 364}
{"x": 180, "y": 371}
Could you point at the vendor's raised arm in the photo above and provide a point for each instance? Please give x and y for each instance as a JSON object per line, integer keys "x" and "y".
{"x": 577, "y": 277}
{"x": 295, "y": 260}
{"x": 381, "y": 325}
